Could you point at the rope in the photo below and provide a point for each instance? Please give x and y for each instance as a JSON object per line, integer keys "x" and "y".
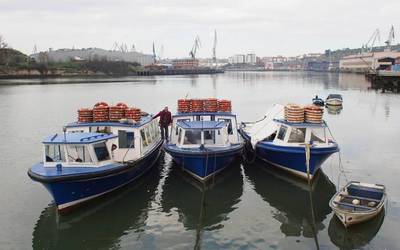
{"x": 246, "y": 151}
{"x": 341, "y": 166}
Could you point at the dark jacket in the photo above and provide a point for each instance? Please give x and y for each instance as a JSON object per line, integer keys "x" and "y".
{"x": 165, "y": 118}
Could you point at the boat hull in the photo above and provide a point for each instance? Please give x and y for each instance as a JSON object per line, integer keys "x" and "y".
{"x": 334, "y": 102}
{"x": 70, "y": 191}
{"x": 349, "y": 219}
{"x": 203, "y": 164}
{"x": 293, "y": 159}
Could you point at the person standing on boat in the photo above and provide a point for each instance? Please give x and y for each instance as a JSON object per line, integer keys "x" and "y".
{"x": 165, "y": 121}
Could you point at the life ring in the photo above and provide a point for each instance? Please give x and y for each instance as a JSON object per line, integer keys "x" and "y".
{"x": 101, "y": 104}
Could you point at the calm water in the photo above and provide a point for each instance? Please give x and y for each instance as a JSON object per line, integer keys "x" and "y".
{"x": 246, "y": 207}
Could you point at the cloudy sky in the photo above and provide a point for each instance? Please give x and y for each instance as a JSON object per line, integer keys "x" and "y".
{"x": 265, "y": 27}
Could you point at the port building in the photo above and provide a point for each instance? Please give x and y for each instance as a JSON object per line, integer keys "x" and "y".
{"x": 364, "y": 62}
{"x": 88, "y": 54}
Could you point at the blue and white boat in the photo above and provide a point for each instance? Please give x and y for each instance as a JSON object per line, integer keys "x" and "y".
{"x": 284, "y": 144}
{"x": 204, "y": 143}
{"x": 92, "y": 159}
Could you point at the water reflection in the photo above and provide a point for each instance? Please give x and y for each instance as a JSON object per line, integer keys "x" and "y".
{"x": 356, "y": 236}
{"x": 202, "y": 207}
{"x": 300, "y": 211}
{"x": 101, "y": 223}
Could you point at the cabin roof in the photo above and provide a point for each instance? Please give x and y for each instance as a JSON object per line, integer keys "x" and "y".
{"x": 302, "y": 124}
{"x": 144, "y": 120}
{"x": 203, "y": 113}
{"x": 338, "y": 96}
{"x": 77, "y": 138}
{"x": 201, "y": 124}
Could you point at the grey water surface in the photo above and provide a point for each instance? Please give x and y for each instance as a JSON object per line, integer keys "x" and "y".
{"x": 248, "y": 206}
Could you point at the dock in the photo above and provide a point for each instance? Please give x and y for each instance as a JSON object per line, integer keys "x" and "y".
{"x": 384, "y": 80}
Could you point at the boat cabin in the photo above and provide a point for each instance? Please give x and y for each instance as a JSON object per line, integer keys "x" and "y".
{"x": 192, "y": 134}
{"x": 228, "y": 118}
{"x": 78, "y": 149}
{"x": 134, "y": 140}
{"x": 297, "y": 134}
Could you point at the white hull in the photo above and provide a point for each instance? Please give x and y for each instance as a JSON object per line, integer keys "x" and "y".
{"x": 349, "y": 219}
{"x": 334, "y": 102}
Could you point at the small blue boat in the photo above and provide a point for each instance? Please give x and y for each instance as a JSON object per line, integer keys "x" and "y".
{"x": 283, "y": 144}
{"x": 79, "y": 165}
{"x": 204, "y": 143}
{"x": 318, "y": 101}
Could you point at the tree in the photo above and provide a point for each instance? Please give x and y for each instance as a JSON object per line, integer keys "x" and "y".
{"x": 3, "y": 43}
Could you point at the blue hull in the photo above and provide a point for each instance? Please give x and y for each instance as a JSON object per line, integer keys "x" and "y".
{"x": 203, "y": 164}
{"x": 293, "y": 159}
{"x": 72, "y": 190}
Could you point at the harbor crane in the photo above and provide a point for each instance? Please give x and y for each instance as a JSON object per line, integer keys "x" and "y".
{"x": 390, "y": 38}
{"x": 214, "y": 49}
{"x": 154, "y": 54}
{"x": 195, "y": 47}
{"x": 369, "y": 46}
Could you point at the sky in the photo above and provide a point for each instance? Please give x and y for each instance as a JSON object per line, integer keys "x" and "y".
{"x": 264, "y": 27}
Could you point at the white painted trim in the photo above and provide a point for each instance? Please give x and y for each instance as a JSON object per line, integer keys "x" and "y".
{"x": 295, "y": 172}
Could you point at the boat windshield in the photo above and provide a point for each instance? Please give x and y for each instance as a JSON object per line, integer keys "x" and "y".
{"x": 192, "y": 137}
{"x": 78, "y": 154}
{"x": 335, "y": 96}
{"x": 318, "y": 135}
{"x": 101, "y": 151}
{"x": 54, "y": 153}
{"x": 298, "y": 135}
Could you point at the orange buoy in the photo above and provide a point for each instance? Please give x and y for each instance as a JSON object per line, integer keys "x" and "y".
{"x": 224, "y": 106}
{"x": 294, "y": 113}
{"x": 85, "y": 115}
{"x": 101, "y": 112}
{"x": 313, "y": 113}
{"x": 184, "y": 105}
{"x": 133, "y": 114}
{"x": 197, "y": 105}
{"x": 211, "y": 105}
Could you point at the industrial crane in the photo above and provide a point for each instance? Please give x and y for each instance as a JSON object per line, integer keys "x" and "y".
{"x": 390, "y": 38}
{"x": 214, "y": 50}
{"x": 369, "y": 46}
{"x": 195, "y": 47}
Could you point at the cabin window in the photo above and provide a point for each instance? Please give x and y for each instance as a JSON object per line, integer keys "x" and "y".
{"x": 198, "y": 118}
{"x": 78, "y": 153}
{"x": 143, "y": 136}
{"x": 317, "y": 135}
{"x": 282, "y": 132}
{"x": 126, "y": 139}
{"x": 55, "y": 153}
{"x": 179, "y": 136}
{"x": 148, "y": 137}
{"x": 298, "y": 135}
{"x": 192, "y": 137}
{"x": 229, "y": 122}
{"x": 101, "y": 151}
{"x": 212, "y": 117}
{"x": 209, "y": 136}
{"x": 105, "y": 130}
{"x": 180, "y": 120}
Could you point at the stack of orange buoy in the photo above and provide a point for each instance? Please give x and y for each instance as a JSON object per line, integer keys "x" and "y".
{"x": 224, "y": 106}
{"x": 133, "y": 114}
{"x": 117, "y": 112}
{"x": 211, "y": 105}
{"x": 294, "y": 113}
{"x": 197, "y": 105}
{"x": 184, "y": 105}
{"x": 85, "y": 115}
{"x": 313, "y": 113}
{"x": 101, "y": 112}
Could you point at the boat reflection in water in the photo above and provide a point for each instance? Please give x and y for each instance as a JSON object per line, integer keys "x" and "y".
{"x": 100, "y": 223}
{"x": 299, "y": 207}
{"x": 202, "y": 206}
{"x": 357, "y": 236}
{"x": 334, "y": 110}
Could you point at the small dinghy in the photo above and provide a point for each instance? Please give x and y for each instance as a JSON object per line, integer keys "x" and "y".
{"x": 334, "y": 100}
{"x": 318, "y": 101}
{"x": 358, "y": 202}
